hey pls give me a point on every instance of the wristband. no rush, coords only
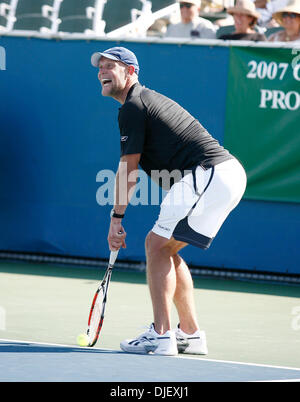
(113, 214)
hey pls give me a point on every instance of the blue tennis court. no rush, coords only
(31, 361)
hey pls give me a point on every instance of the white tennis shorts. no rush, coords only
(195, 207)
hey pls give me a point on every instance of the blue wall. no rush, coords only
(57, 133)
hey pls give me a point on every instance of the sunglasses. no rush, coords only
(291, 15)
(187, 5)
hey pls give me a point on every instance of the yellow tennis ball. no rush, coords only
(83, 340)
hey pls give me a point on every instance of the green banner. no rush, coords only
(262, 127)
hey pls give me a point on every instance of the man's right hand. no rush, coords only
(116, 235)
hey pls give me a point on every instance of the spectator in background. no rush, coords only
(245, 18)
(289, 18)
(266, 9)
(265, 13)
(191, 25)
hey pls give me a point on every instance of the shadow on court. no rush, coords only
(28, 347)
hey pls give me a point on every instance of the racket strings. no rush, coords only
(96, 315)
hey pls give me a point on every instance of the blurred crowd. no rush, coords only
(258, 20)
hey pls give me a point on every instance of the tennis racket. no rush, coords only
(97, 311)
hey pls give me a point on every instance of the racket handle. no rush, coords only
(113, 256)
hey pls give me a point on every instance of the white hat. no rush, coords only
(293, 6)
(244, 7)
(196, 2)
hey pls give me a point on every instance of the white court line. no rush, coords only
(242, 363)
(291, 380)
(179, 356)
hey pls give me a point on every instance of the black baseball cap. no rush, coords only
(122, 54)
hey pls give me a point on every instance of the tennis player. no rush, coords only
(207, 183)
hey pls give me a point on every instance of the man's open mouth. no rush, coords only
(106, 81)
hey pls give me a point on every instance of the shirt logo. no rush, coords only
(124, 138)
(164, 228)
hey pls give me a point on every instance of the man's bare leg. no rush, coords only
(169, 280)
(161, 277)
(184, 297)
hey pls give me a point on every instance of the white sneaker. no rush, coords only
(152, 342)
(192, 344)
